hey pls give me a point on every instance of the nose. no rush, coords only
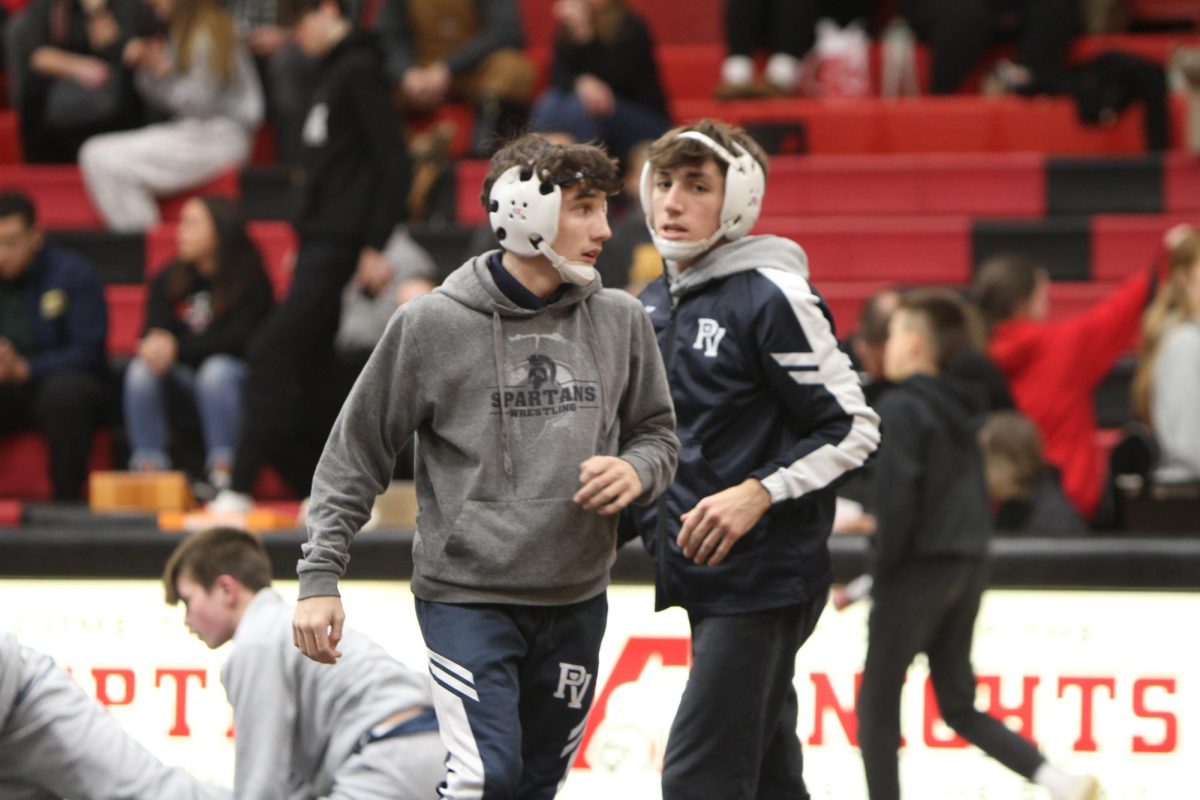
(673, 199)
(601, 232)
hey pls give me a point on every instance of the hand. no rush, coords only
(576, 17)
(713, 527)
(266, 40)
(135, 51)
(158, 349)
(317, 628)
(1175, 234)
(595, 94)
(426, 86)
(155, 60)
(374, 272)
(409, 289)
(91, 73)
(607, 484)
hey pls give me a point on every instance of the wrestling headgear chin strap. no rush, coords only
(745, 185)
(523, 210)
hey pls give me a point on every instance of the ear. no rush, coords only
(230, 585)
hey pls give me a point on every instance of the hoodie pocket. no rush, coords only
(525, 544)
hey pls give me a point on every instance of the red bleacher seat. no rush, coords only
(899, 249)
(1181, 183)
(225, 184)
(25, 464)
(1123, 244)
(275, 240)
(57, 192)
(10, 138)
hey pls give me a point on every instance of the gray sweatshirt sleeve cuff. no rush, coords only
(318, 583)
(645, 473)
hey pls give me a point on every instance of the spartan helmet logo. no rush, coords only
(541, 370)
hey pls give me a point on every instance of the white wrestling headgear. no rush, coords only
(745, 185)
(523, 210)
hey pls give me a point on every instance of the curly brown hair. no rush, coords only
(582, 165)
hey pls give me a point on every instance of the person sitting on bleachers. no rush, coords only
(604, 83)
(959, 32)
(53, 326)
(1166, 384)
(469, 51)
(1026, 495)
(1053, 367)
(784, 28)
(202, 77)
(201, 313)
(66, 76)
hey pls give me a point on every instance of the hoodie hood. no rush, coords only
(473, 286)
(960, 404)
(742, 255)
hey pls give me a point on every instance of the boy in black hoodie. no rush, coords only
(355, 177)
(931, 545)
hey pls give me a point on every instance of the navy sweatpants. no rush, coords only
(512, 688)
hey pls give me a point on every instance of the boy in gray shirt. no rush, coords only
(541, 409)
(56, 742)
(360, 730)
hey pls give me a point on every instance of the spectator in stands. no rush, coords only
(1025, 491)
(56, 741)
(1054, 367)
(356, 178)
(202, 78)
(629, 259)
(66, 76)
(929, 567)
(53, 326)
(786, 29)
(959, 32)
(604, 82)
(361, 729)
(1166, 385)
(202, 310)
(470, 51)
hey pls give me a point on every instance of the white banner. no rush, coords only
(1096, 678)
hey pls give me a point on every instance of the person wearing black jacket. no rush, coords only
(604, 83)
(201, 313)
(355, 177)
(53, 324)
(930, 556)
(770, 416)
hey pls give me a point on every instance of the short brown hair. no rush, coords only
(1002, 282)
(670, 151)
(211, 553)
(943, 322)
(583, 165)
(1012, 454)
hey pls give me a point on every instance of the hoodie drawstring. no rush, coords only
(593, 338)
(498, 348)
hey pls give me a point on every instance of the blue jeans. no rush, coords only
(213, 393)
(629, 123)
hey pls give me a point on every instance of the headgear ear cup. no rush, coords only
(523, 212)
(745, 185)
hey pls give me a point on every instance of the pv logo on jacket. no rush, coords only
(708, 337)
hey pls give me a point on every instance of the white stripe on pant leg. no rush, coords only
(575, 738)
(464, 776)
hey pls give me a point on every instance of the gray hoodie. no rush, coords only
(506, 403)
(298, 721)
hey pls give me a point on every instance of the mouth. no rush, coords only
(590, 256)
(673, 230)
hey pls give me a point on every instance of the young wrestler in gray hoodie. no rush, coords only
(541, 409)
(57, 742)
(363, 729)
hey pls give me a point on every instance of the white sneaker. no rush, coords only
(228, 501)
(1084, 787)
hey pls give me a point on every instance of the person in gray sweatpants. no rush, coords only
(56, 742)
